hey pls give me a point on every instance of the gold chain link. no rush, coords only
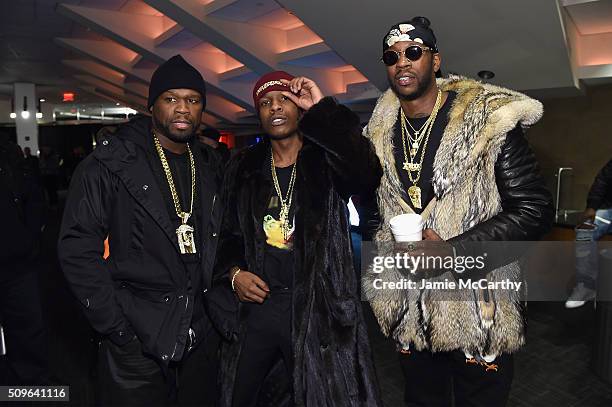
(429, 123)
(175, 198)
(285, 202)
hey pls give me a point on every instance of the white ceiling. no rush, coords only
(108, 49)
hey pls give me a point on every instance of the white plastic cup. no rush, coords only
(415, 237)
(407, 227)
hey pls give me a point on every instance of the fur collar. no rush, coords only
(479, 119)
(496, 111)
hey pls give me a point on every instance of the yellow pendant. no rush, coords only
(186, 242)
(408, 166)
(414, 193)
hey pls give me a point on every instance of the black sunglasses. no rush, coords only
(413, 53)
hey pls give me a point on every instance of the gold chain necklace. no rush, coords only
(184, 232)
(285, 202)
(415, 131)
(413, 142)
(414, 192)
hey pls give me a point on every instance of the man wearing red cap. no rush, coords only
(285, 251)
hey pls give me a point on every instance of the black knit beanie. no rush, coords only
(175, 73)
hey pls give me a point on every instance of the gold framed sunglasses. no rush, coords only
(413, 53)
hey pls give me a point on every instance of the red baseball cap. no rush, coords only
(270, 82)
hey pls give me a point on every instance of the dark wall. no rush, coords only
(66, 137)
(575, 132)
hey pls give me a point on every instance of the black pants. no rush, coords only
(431, 379)
(267, 341)
(26, 360)
(127, 377)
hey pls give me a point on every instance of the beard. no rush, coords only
(177, 137)
(423, 84)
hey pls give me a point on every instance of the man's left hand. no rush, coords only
(430, 234)
(304, 92)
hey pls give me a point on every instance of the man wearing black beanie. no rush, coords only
(150, 191)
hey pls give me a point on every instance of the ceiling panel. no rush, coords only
(323, 60)
(245, 10)
(114, 5)
(279, 18)
(593, 17)
(139, 7)
(183, 40)
(145, 64)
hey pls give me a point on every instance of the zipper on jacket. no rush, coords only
(212, 208)
(176, 343)
(174, 351)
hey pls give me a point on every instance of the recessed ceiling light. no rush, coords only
(486, 75)
(25, 115)
(42, 100)
(118, 104)
(13, 115)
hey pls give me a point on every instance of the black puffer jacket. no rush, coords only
(600, 195)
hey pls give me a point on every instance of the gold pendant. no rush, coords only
(186, 242)
(283, 218)
(408, 166)
(414, 193)
(283, 215)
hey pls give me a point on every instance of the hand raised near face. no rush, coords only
(304, 92)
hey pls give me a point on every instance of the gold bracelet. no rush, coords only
(234, 277)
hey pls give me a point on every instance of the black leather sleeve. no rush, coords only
(600, 195)
(527, 207)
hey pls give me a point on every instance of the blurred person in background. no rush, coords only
(72, 161)
(211, 136)
(22, 208)
(596, 222)
(32, 163)
(50, 171)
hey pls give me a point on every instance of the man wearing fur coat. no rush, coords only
(452, 150)
(294, 314)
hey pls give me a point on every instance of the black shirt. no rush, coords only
(278, 258)
(180, 168)
(433, 144)
(181, 175)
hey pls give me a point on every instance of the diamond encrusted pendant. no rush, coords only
(414, 193)
(408, 166)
